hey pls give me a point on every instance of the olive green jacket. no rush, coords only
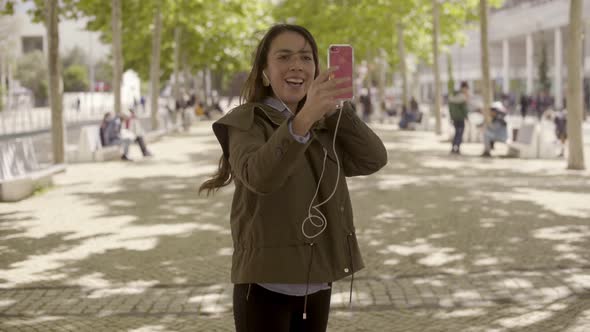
(275, 180)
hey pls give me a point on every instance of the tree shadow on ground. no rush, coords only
(475, 242)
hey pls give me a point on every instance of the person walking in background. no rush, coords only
(142, 103)
(103, 127)
(458, 109)
(136, 132)
(524, 105)
(561, 129)
(365, 101)
(289, 148)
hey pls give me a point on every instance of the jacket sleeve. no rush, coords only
(363, 152)
(263, 165)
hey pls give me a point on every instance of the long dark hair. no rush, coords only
(255, 91)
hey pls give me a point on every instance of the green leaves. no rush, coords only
(218, 34)
(6, 7)
(370, 25)
(223, 34)
(75, 78)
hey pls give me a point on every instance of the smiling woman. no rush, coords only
(290, 68)
(291, 219)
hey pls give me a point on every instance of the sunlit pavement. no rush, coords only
(451, 243)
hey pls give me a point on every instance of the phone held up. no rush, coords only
(342, 55)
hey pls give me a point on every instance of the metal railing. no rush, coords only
(24, 118)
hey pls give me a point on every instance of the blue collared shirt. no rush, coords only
(279, 106)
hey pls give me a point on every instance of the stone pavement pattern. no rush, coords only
(450, 244)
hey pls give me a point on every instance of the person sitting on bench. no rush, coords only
(411, 117)
(497, 130)
(110, 132)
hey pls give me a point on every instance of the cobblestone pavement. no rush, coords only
(450, 243)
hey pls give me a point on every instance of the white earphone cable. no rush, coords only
(323, 222)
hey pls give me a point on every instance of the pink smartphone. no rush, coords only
(342, 55)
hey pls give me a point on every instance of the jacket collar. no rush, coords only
(273, 115)
(271, 112)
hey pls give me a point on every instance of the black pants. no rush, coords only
(458, 139)
(141, 142)
(265, 310)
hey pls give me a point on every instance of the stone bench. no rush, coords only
(20, 173)
(89, 147)
(535, 141)
(525, 143)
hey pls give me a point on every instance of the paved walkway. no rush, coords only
(450, 243)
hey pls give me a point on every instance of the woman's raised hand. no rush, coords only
(321, 100)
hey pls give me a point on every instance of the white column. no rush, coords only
(529, 64)
(422, 92)
(558, 70)
(505, 66)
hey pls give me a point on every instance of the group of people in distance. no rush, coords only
(123, 129)
(497, 129)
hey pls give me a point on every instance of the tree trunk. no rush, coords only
(3, 89)
(437, 96)
(55, 89)
(451, 80)
(176, 86)
(176, 83)
(382, 78)
(402, 63)
(574, 90)
(117, 53)
(485, 60)
(207, 83)
(155, 65)
(414, 73)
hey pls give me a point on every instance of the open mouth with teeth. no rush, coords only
(296, 82)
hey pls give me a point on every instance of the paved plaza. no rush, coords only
(450, 243)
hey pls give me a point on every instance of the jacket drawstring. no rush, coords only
(248, 294)
(307, 285)
(352, 269)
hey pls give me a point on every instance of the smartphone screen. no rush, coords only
(343, 57)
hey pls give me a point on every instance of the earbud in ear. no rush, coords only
(265, 80)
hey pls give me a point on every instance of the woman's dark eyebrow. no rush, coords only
(285, 50)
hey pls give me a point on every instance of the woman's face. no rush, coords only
(290, 68)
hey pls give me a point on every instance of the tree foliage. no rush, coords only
(75, 56)
(31, 72)
(103, 72)
(370, 25)
(218, 34)
(221, 35)
(75, 79)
